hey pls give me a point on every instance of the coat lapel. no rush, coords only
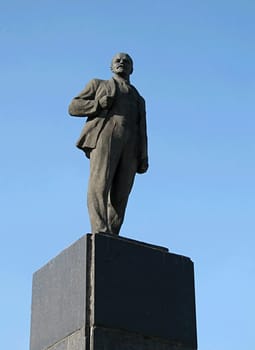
(110, 87)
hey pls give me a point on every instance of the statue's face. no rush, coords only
(122, 65)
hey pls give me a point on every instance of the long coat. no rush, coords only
(87, 104)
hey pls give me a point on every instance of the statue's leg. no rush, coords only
(101, 174)
(121, 186)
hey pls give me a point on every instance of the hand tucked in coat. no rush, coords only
(106, 101)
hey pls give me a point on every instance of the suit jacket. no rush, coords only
(87, 104)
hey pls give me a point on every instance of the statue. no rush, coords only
(114, 138)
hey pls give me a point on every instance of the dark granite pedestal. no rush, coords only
(113, 293)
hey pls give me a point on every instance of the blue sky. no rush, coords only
(194, 64)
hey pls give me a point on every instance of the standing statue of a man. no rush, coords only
(114, 138)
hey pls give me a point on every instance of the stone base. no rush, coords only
(122, 340)
(74, 341)
(111, 293)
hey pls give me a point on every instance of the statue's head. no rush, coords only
(122, 64)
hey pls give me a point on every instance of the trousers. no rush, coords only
(113, 165)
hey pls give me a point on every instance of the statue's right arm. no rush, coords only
(86, 104)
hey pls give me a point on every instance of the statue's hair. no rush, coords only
(128, 56)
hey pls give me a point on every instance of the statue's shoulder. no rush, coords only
(98, 82)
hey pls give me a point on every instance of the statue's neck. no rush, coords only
(122, 77)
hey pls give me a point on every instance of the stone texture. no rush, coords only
(75, 341)
(109, 339)
(114, 138)
(111, 293)
(59, 297)
(61, 345)
(144, 289)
